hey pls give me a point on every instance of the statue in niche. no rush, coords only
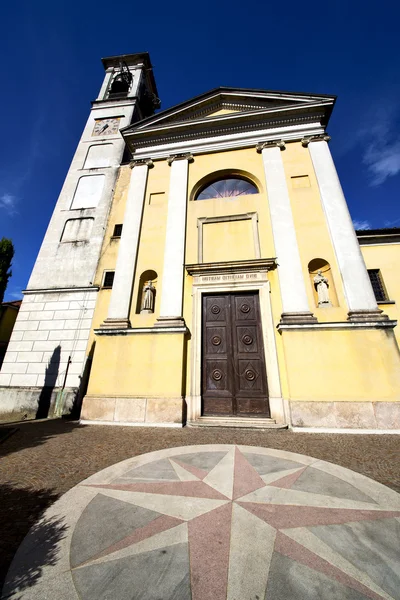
(321, 285)
(149, 292)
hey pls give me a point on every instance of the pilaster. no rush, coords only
(291, 280)
(357, 286)
(120, 302)
(174, 253)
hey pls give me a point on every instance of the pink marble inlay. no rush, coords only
(160, 524)
(287, 481)
(200, 473)
(283, 516)
(246, 479)
(209, 542)
(192, 489)
(288, 547)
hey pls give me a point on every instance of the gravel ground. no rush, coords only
(41, 460)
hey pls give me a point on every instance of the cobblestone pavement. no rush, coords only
(43, 460)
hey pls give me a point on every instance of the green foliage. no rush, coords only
(6, 256)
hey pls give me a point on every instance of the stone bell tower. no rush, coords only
(47, 349)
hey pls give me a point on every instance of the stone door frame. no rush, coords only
(230, 281)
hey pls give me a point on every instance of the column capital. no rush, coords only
(271, 144)
(315, 138)
(184, 156)
(140, 162)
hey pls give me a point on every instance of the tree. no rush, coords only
(6, 256)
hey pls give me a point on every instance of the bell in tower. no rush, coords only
(121, 82)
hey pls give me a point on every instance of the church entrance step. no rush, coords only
(231, 422)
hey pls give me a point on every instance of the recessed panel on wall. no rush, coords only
(99, 155)
(88, 191)
(228, 240)
(77, 230)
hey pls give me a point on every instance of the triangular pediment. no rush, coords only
(224, 102)
(223, 110)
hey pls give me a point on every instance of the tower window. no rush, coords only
(108, 279)
(117, 230)
(228, 187)
(121, 83)
(377, 285)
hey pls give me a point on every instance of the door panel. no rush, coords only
(233, 367)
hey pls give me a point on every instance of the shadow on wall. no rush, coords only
(50, 380)
(75, 412)
(55, 398)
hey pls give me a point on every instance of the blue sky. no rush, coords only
(51, 70)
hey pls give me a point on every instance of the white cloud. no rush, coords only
(361, 224)
(8, 203)
(383, 160)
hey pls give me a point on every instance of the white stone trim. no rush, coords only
(291, 280)
(130, 424)
(261, 284)
(231, 141)
(139, 330)
(340, 325)
(121, 293)
(174, 252)
(347, 430)
(357, 285)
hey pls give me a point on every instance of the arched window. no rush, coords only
(227, 187)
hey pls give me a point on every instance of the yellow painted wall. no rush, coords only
(386, 257)
(146, 365)
(230, 240)
(312, 233)
(313, 364)
(346, 365)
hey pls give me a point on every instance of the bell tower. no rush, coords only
(60, 296)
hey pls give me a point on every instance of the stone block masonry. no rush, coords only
(50, 328)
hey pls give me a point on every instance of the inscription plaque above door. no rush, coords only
(234, 378)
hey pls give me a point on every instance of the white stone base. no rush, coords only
(22, 403)
(133, 410)
(366, 416)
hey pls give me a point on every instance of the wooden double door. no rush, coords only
(234, 380)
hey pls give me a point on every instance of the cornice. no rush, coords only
(236, 266)
(201, 145)
(134, 140)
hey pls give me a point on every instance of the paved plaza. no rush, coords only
(199, 514)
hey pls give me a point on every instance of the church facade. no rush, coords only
(201, 267)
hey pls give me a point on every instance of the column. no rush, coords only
(174, 252)
(291, 281)
(357, 286)
(121, 293)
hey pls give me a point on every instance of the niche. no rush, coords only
(146, 299)
(322, 283)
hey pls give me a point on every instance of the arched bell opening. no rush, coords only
(147, 292)
(322, 283)
(121, 83)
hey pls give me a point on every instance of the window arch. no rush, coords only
(226, 186)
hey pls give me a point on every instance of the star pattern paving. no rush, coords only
(234, 524)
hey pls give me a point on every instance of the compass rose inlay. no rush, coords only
(233, 522)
